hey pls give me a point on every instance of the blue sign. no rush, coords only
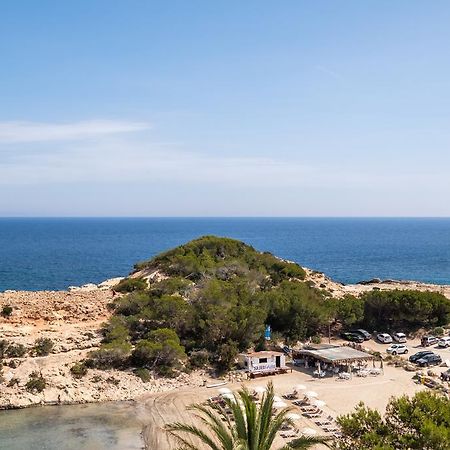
(267, 333)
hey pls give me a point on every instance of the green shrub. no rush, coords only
(35, 383)
(111, 355)
(143, 374)
(7, 311)
(316, 339)
(3, 347)
(199, 359)
(79, 370)
(13, 382)
(43, 346)
(15, 351)
(438, 331)
(130, 285)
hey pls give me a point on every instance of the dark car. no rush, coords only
(418, 355)
(365, 334)
(354, 337)
(445, 376)
(429, 360)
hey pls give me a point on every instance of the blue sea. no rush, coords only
(39, 254)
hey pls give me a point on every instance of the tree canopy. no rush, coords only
(418, 423)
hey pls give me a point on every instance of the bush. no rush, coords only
(79, 370)
(15, 351)
(3, 347)
(35, 383)
(199, 359)
(143, 374)
(162, 347)
(111, 355)
(13, 382)
(438, 331)
(130, 285)
(7, 311)
(43, 346)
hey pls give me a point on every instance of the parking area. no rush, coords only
(413, 346)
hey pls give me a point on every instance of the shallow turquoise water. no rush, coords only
(112, 426)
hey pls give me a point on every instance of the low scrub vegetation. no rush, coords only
(43, 346)
(7, 311)
(36, 383)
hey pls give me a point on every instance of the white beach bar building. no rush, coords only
(263, 363)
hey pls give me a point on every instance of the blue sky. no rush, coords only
(256, 108)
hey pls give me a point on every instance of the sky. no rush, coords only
(201, 108)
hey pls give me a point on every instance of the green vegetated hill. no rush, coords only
(216, 298)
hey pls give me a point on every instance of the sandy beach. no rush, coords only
(340, 396)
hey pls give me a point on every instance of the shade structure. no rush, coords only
(300, 387)
(309, 432)
(279, 405)
(311, 394)
(228, 395)
(259, 389)
(276, 399)
(293, 416)
(319, 403)
(224, 391)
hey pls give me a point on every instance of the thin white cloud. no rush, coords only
(11, 132)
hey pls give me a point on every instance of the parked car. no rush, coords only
(429, 360)
(365, 334)
(428, 340)
(399, 337)
(418, 355)
(444, 342)
(354, 337)
(384, 338)
(397, 349)
(445, 376)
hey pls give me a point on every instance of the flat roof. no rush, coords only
(335, 354)
(262, 354)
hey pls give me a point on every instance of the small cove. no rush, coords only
(112, 426)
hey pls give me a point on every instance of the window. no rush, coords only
(262, 360)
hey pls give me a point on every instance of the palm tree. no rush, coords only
(247, 427)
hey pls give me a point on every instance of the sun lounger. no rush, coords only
(327, 421)
(301, 402)
(313, 415)
(289, 434)
(290, 396)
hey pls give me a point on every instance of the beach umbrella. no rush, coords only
(293, 416)
(279, 405)
(300, 387)
(259, 389)
(319, 403)
(311, 394)
(277, 399)
(309, 432)
(228, 395)
(225, 391)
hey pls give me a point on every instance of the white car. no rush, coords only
(399, 337)
(397, 349)
(384, 338)
(444, 342)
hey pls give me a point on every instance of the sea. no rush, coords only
(55, 253)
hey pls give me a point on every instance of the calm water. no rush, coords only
(107, 426)
(38, 254)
